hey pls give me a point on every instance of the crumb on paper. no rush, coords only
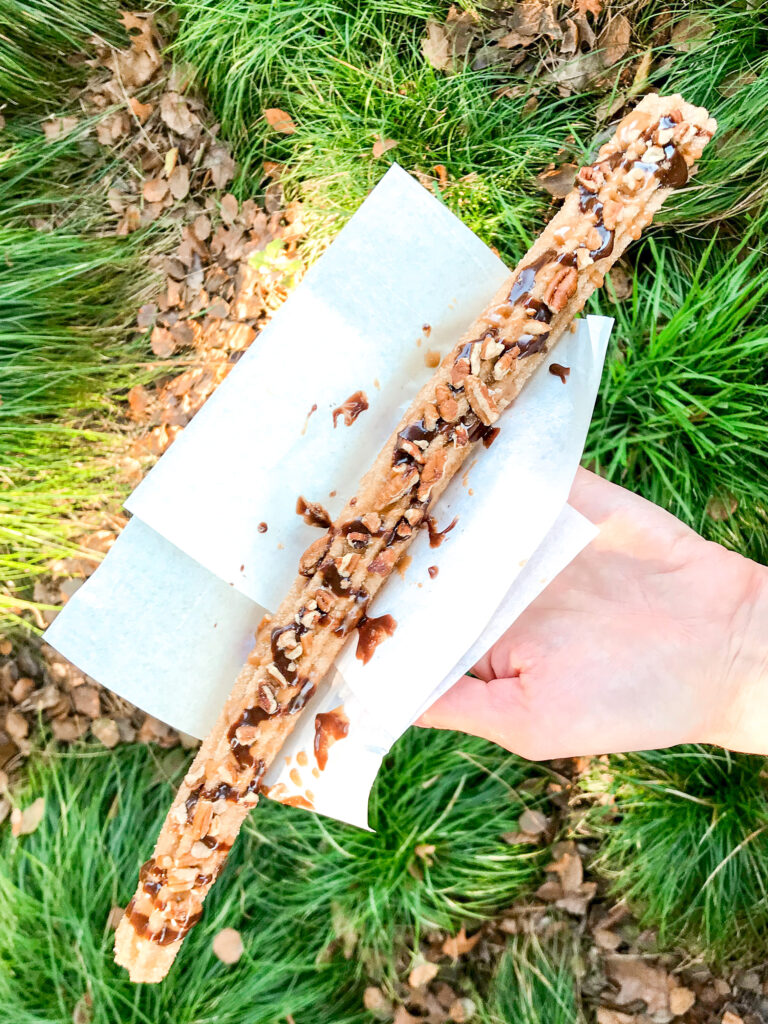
(470, 492)
(262, 527)
(432, 358)
(427, 329)
(376, 383)
(418, 342)
(433, 570)
(350, 408)
(403, 565)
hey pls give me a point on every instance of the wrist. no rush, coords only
(743, 703)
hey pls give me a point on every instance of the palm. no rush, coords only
(618, 653)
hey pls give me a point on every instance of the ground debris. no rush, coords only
(570, 45)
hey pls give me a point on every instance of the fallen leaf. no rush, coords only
(59, 126)
(377, 1003)
(462, 1010)
(691, 33)
(620, 283)
(532, 821)
(105, 729)
(162, 342)
(425, 851)
(721, 508)
(82, 1012)
(114, 917)
(280, 121)
(229, 208)
(436, 47)
(606, 1016)
(567, 866)
(24, 822)
(228, 946)
(731, 1018)
(642, 71)
(457, 945)
(606, 939)
(734, 83)
(381, 145)
(140, 110)
(16, 725)
(175, 112)
(422, 974)
(587, 7)
(155, 190)
(638, 979)
(138, 402)
(130, 221)
(221, 165)
(681, 1000)
(613, 41)
(558, 181)
(202, 227)
(179, 181)
(146, 316)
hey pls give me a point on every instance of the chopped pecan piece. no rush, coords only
(447, 405)
(430, 417)
(313, 556)
(560, 289)
(433, 470)
(266, 700)
(399, 483)
(481, 401)
(372, 521)
(459, 371)
(382, 564)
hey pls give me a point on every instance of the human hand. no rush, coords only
(652, 636)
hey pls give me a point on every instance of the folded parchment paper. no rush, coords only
(168, 619)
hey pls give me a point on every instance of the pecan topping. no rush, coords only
(433, 470)
(313, 556)
(398, 485)
(560, 289)
(481, 401)
(382, 564)
(447, 405)
(266, 700)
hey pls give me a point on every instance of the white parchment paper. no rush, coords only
(168, 619)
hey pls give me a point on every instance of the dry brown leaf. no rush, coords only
(130, 221)
(229, 208)
(613, 41)
(381, 145)
(425, 851)
(462, 1010)
(638, 979)
(377, 1003)
(606, 939)
(140, 110)
(59, 126)
(162, 342)
(532, 821)
(620, 283)
(114, 917)
(105, 729)
(228, 945)
(138, 402)
(82, 1013)
(436, 47)
(221, 165)
(558, 181)
(155, 190)
(422, 974)
(721, 508)
(584, 7)
(202, 227)
(175, 112)
(280, 121)
(567, 866)
(691, 33)
(456, 945)
(681, 1000)
(513, 39)
(606, 1016)
(24, 822)
(16, 725)
(735, 82)
(179, 181)
(731, 1018)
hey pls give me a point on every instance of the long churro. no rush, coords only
(615, 197)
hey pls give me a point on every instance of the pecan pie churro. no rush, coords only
(614, 198)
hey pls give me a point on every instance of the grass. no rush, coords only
(39, 44)
(304, 892)
(689, 848)
(680, 418)
(534, 984)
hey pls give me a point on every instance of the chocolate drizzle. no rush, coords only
(436, 537)
(371, 632)
(558, 370)
(312, 513)
(330, 726)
